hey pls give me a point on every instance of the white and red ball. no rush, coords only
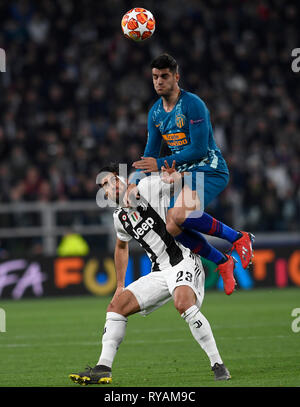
(138, 24)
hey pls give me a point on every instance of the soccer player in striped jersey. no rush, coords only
(176, 273)
(182, 119)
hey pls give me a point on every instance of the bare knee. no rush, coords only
(119, 307)
(173, 223)
(114, 306)
(124, 304)
(184, 298)
(173, 229)
(182, 305)
(178, 216)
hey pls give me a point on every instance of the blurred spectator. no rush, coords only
(32, 184)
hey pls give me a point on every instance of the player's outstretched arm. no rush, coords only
(146, 165)
(121, 261)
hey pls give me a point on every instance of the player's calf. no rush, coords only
(202, 333)
(113, 335)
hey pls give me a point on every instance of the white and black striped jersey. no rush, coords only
(147, 224)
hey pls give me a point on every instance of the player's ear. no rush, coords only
(177, 76)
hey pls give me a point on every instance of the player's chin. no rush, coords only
(162, 92)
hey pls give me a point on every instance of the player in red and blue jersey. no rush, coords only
(182, 119)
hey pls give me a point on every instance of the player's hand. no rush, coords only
(131, 196)
(169, 174)
(146, 164)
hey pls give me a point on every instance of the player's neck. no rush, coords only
(170, 101)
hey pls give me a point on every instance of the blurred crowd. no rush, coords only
(76, 95)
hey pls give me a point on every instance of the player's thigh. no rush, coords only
(190, 273)
(187, 199)
(214, 184)
(186, 202)
(205, 187)
(124, 304)
(183, 195)
(188, 195)
(151, 291)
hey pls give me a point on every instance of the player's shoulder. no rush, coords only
(150, 188)
(156, 104)
(149, 183)
(116, 213)
(151, 180)
(189, 97)
(155, 108)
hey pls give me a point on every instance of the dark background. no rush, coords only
(76, 95)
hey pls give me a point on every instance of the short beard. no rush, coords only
(167, 94)
(168, 91)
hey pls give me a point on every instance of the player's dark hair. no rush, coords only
(164, 61)
(112, 167)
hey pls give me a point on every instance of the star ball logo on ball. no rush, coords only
(138, 24)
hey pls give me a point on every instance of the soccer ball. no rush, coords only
(138, 24)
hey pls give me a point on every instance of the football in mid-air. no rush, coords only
(138, 24)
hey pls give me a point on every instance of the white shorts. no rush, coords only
(156, 288)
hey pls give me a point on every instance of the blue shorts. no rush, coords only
(214, 183)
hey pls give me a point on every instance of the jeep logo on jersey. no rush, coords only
(145, 226)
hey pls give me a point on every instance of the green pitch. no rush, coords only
(47, 339)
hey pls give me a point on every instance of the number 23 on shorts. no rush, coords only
(180, 276)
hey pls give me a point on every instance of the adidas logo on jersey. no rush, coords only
(145, 226)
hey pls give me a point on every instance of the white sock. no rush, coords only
(202, 332)
(114, 332)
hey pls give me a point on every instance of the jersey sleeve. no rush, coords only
(154, 139)
(199, 124)
(120, 231)
(152, 149)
